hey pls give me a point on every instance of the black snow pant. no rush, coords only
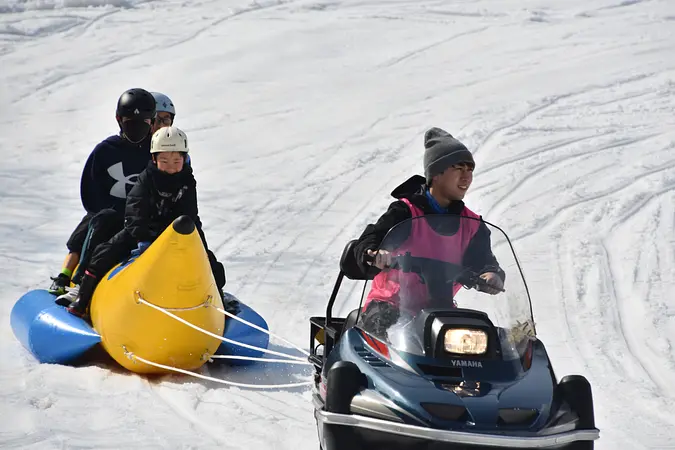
(108, 254)
(101, 228)
(218, 270)
(378, 317)
(78, 236)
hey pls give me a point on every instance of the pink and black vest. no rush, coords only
(423, 242)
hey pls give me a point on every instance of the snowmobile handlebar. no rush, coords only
(425, 266)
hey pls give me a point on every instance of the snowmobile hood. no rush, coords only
(474, 395)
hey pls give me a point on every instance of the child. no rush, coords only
(109, 173)
(165, 190)
(448, 168)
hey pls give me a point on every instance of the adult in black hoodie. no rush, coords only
(448, 174)
(157, 199)
(109, 173)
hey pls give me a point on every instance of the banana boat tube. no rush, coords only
(172, 275)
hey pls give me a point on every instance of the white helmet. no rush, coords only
(164, 103)
(169, 139)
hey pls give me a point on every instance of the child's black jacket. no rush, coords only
(157, 199)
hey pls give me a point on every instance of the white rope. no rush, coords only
(192, 308)
(224, 339)
(228, 314)
(253, 358)
(217, 380)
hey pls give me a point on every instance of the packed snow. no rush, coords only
(303, 115)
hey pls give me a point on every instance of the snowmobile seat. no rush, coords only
(350, 321)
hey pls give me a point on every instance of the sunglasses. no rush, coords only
(164, 120)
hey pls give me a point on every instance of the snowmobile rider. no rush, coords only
(448, 169)
(166, 112)
(165, 190)
(109, 173)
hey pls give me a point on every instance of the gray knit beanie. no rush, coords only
(442, 151)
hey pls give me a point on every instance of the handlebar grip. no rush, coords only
(482, 283)
(395, 260)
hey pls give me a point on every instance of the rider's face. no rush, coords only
(162, 119)
(170, 162)
(455, 181)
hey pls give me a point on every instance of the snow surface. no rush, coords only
(303, 115)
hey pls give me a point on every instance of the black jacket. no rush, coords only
(478, 256)
(110, 172)
(157, 199)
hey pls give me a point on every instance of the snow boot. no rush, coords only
(69, 297)
(59, 284)
(80, 307)
(230, 303)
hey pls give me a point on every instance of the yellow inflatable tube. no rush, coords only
(174, 274)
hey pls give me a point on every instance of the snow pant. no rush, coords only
(378, 317)
(101, 227)
(77, 237)
(218, 270)
(109, 253)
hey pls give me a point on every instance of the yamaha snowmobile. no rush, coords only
(437, 358)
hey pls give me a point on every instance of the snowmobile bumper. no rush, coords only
(356, 432)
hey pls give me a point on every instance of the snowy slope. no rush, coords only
(302, 116)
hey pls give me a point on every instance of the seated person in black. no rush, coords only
(109, 173)
(165, 190)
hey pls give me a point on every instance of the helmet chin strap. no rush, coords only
(133, 142)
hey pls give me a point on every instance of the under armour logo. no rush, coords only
(136, 111)
(164, 104)
(119, 189)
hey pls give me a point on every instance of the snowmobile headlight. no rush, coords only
(465, 341)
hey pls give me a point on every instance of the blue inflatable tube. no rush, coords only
(48, 331)
(53, 335)
(240, 332)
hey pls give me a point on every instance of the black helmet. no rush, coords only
(136, 103)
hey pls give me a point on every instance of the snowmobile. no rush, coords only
(446, 365)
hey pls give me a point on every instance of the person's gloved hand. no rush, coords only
(494, 284)
(142, 246)
(380, 259)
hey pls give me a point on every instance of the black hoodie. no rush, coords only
(478, 256)
(157, 199)
(110, 172)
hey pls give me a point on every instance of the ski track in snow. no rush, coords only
(303, 115)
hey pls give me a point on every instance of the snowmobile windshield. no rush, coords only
(447, 263)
